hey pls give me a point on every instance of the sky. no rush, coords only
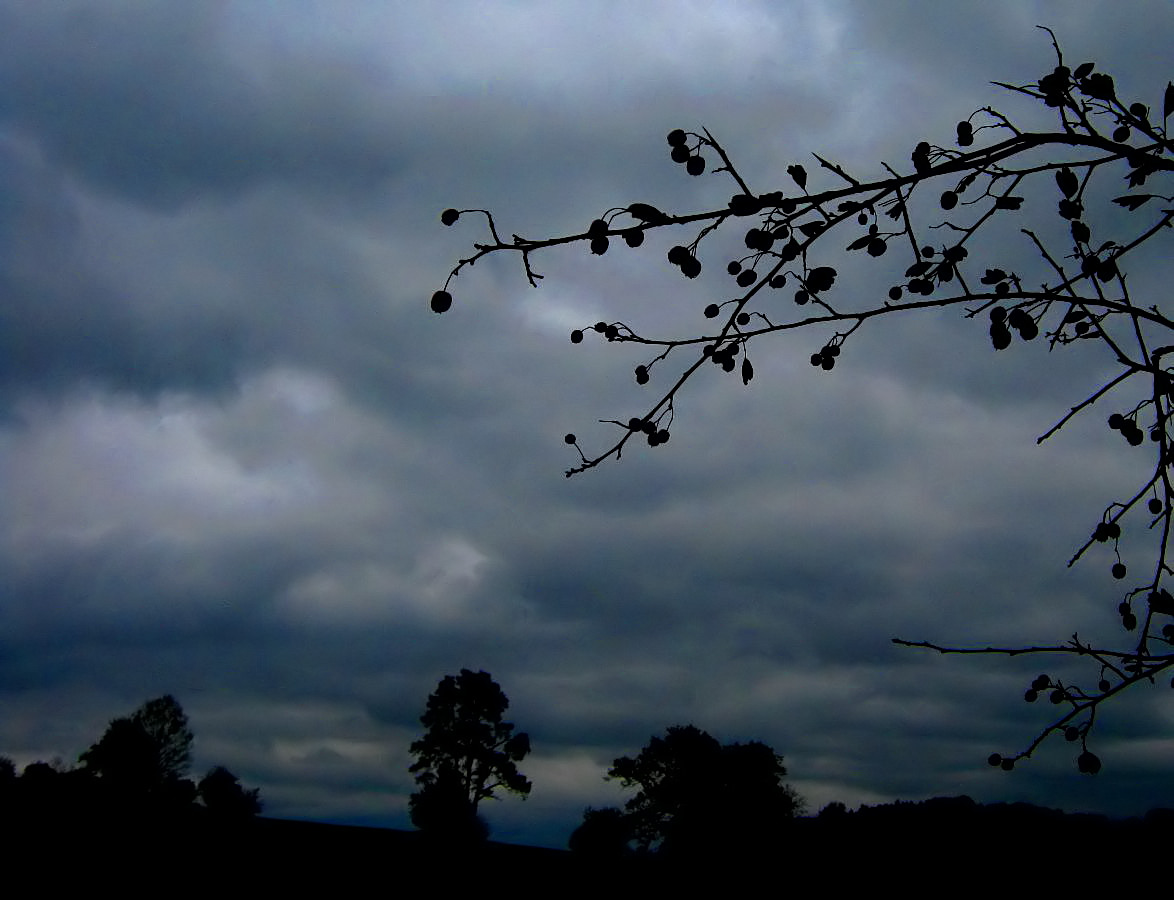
(243, 463)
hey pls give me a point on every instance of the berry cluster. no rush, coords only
(1041, 683)
(689, 264)
(826, 358)
(597, 231)
(1129, 429)
(1002, 322)
(656, 436)
(928, 272)
(693, 161)
(723, 356)
(1128, 619)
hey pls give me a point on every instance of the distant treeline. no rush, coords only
(130, 785)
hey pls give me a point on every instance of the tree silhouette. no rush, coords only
(225, 798)
(699, 796)
(149, 751)
(466, 754)
(1106, 164)
(605, 834)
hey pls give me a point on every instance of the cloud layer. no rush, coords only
(244, 464)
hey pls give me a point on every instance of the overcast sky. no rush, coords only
(243, 463)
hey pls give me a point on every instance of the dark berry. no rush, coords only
(597, 228)
(877, 247)
(949, 200)
(712, 311)
(441, 301)
(1119, 570)
(677, 137)
(1000, 336)
(678, 254)
(743, 318)
(449, 216)
(1155, 505)
(801, 297)
(691, 267)
(1007, 765)
(1031, 696)
(994, 760)
(747, 277)
(599, 327)
(1116, 421)
(576, 336)
(1088, 763)
(695, 165)
(778, 281)
(734, 267)
(680, 154)
(1103, 686)
(599, 245)
(634, 237)
(895, 293)
(641, 375)
(1071, 733)
(569, 439)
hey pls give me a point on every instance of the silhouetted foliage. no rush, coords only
(149, 751)
(466, 754)
(605, 834)
(697, 796)
(441, 808)
(1105, 162)
(225, 798)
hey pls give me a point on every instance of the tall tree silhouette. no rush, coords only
(148, 750)
(466, 754)
(696, 795)
(929, 228)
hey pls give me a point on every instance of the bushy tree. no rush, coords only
(467, 753)
(225, 798)
(696, 795)
(1106, 164)
(148, 750)
(604, 834)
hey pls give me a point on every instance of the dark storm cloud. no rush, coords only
(155, 103)
(245, 464)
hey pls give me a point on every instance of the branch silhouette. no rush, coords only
(1079, 294)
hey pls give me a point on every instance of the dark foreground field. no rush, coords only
(942, 844)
